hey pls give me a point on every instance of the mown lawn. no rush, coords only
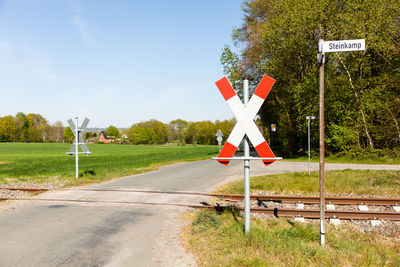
(41, 163)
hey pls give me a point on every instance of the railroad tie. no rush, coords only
(330, 206)
(299, 219)
(334, 221)
(375, 222)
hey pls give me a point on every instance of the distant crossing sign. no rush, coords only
(78, 132)
(219, 138)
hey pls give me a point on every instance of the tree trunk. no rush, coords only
(371, 144)
(396, 124)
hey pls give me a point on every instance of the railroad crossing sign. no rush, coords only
(245, 117)
(245, 114)
(219, 138)
(78, 132)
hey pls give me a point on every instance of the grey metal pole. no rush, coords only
(322, 145)
(76, 148)
(246, 166)
(309, 157)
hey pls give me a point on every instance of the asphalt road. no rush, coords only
(113, 232)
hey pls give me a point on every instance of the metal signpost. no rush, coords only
(78, 132)
(326, 47)
(246, 129)
(309, 146)
(219, 138)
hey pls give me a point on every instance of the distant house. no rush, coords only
(104, 138)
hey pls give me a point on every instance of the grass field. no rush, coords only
(218, 239)
(41, 163)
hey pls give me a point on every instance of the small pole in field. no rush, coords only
(309, 145)
(76, 149)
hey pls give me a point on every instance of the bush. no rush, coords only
(368, 153)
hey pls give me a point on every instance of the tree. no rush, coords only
(148, 132)
(112, 132)
(22, 123)
(176, 130)
(8, 129)
(68, 134)
(226, 127)
(38, 126)
(202, 133)
(56, 132)
(362, 101)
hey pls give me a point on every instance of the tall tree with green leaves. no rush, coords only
(112, 132)
(280, 38)
(68, 134)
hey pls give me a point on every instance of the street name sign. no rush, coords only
(326, 47)
(342, 46)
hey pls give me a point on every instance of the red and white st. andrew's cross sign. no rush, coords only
(245, 117)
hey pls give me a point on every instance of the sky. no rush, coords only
(115, 62)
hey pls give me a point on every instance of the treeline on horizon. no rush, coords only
(362, 89)
(35, 128)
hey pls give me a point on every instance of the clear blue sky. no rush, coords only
(115, 62)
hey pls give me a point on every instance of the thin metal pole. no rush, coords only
(322, 147)
(76, 148)
(309, 157)
(246, 166)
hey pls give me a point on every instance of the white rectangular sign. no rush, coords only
(343, 45)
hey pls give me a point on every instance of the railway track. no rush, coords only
(277, 212)
(315, 213)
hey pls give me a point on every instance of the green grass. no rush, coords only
(41, 163)
(357, 182)
(218, 240)
(370, 160)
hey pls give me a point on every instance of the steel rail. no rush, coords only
(314, 213)
(315, 200)
(340, 200)
(277, 212)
